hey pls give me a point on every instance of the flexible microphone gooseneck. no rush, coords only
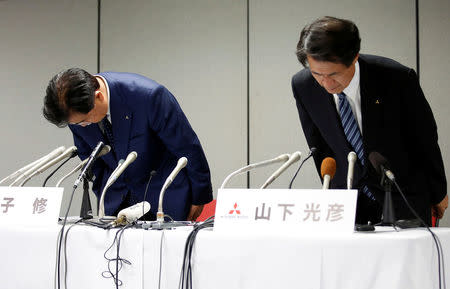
(131, 157)
(22, 170)
(89, 163)
(106, 149)
(280, 158)
(55, 153)
(311, 153)
(182, 162)
(74, 154)
(292, 159)
(327, 170)
(351, 158)
(70, 152)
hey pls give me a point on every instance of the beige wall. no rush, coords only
(38, 39)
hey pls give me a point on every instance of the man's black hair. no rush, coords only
(329, 39)
(69, 91)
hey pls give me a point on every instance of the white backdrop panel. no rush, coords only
(197, 49)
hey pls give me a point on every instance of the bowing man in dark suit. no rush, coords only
(353, 102)
(132, 113)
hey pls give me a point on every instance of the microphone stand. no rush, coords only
(388, 217)
(86, 208)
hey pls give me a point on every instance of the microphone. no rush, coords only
(312, 151)
(182, 162)
(351, 166)
(89, 163)
(106, 149)
(381, 165)
(131, 214)
(70, 152)
(292, 159)
(327, 170)
(131, 157)
(280, 158)
(53, 154)
(21, 170)
(122, 165)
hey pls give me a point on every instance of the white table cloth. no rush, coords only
(378, 260)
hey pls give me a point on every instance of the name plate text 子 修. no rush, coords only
(30, 205)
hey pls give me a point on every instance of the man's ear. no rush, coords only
(356, 59)
(98, 95)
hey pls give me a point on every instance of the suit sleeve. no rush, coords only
(172, 127)
(312, 133)
(424, 134)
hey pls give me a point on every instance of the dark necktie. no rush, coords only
(107, 130)
(352, 133)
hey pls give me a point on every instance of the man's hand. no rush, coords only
(438, 210)
(195, 212)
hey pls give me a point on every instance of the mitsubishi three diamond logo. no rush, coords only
(238, 212)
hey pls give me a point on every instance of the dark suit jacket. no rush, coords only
(397, 122)
(146, 118)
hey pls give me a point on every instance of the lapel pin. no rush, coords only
(126, 117)
(377, 101)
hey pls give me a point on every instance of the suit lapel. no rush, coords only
(121, 117)
(331, 124)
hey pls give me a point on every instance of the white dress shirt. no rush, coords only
(353, 96)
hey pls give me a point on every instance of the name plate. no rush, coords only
(312, 211)
(30, 205)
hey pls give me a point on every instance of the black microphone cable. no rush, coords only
(381, 166)
(435, 238)
(58, 263)
(312, 151)
(65, 250)
(152, 174)
(118, 260)
(58, 257)
(74, 154)
(186, 270)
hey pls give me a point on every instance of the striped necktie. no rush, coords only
(107, 130)
(352, 133)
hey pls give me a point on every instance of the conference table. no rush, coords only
(382, 259)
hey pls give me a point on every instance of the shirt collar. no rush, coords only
(352, 89)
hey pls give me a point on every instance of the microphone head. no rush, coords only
(132, 156)
(72, 149)
(283, 157)
(328, 167)
(351, 157)
(312, 151)
(295, 156)
(182, 162)
(106, 149)
(378, 161)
